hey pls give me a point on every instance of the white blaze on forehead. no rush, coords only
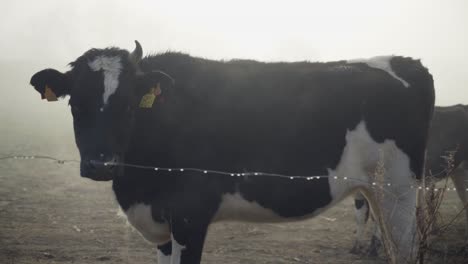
(111, 66)
(383, 63)
(163, 259)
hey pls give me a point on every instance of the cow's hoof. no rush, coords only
(372, 252)
(375, 245)
(356, 250)
(463, 251)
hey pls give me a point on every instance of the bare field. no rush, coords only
(49, 214)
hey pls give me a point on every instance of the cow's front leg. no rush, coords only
(164, 253)
(188, 238)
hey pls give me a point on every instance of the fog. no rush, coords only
(50, 33)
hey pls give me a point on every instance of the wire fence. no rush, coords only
(373, 184)
(381, 186)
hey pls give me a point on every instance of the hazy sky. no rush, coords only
(50, 33)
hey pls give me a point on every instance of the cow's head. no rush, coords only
(105, 87)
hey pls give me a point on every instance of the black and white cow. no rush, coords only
(448, 133)
(305, 119)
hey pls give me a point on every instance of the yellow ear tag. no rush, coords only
(49, 94)
(147, 100)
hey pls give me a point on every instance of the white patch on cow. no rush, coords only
(139, 215)
(383, 63)
(176, 251)
(111, 66)
(163, 259)
(360, 157)
(395, 205)
(235, 207)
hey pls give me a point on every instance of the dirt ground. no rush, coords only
(48, 214)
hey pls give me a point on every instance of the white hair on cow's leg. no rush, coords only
(176, 251)
(163, 259)
(383, 63)
(111, 67)
(396, 208)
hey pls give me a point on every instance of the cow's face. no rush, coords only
(105, 88)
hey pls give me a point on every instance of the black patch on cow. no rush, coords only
(359, 204)
(166, 248)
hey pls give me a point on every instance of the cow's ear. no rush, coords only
(51, 84)
(152, 85)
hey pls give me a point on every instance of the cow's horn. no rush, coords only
(136, 55)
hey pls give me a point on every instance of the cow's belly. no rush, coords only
(139, 216)
(237, 208)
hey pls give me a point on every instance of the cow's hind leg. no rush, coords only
(375, 244)
(362, 215)
(382, 172)
(164, 253)
(362, 211)
(392, 197)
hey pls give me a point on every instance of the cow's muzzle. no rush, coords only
(100, 169)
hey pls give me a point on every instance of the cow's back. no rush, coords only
(286, 118)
